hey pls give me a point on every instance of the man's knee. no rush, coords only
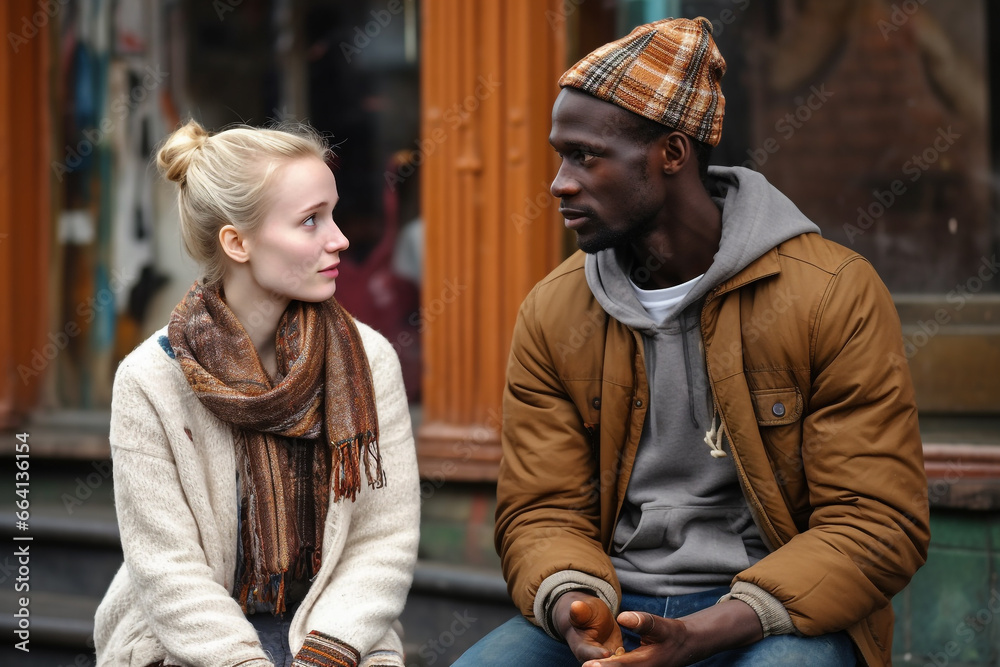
(516, 642)
(833, 650)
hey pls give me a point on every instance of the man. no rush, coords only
(709, 427)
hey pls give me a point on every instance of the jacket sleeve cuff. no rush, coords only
(320, 650)
(383, 658)
(562, 582)
(774, 618)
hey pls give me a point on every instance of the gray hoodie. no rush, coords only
(685, 525)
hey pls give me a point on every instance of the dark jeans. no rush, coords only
(518, 642)
(273, 634)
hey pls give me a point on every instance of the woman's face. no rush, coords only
(296, 250)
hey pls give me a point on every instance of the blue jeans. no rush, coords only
(518, 642)
(273, 634)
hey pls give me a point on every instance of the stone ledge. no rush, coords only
(963, 476)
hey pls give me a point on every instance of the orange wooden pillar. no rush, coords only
(25, 210)
(488, 80)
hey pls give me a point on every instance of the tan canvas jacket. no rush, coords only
(834, 476)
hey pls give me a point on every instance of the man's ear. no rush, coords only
(233, 244)
(676, 151)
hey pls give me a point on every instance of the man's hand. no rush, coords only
(664, 642)
(668, 642)
(586, 623)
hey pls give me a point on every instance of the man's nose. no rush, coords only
(563, 185)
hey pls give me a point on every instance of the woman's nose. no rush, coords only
(337, 241)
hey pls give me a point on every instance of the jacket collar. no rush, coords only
(762, 267)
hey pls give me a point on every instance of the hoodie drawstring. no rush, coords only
(683, 320)
(713, 438)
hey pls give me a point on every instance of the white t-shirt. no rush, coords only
(659, 302)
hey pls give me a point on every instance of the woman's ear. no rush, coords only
(233, 244)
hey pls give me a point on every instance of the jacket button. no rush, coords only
(597, 404)
(638, 402)
(778, 409)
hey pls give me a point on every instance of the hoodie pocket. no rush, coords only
(699, 539)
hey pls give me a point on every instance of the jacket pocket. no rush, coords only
(779, 419)
(777, 407)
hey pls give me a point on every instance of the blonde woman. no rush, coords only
(264, 468)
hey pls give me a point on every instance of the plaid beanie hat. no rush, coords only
(667, 71)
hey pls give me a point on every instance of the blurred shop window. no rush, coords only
(363, 89)
(871, 116)
(127, 73)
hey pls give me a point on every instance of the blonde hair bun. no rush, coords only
(175, 156)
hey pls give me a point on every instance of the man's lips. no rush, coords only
(574, 217)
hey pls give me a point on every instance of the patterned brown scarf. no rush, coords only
(297, 439)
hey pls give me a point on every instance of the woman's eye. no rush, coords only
(310, 221)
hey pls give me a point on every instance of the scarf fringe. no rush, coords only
(348, 457)
(268, 592)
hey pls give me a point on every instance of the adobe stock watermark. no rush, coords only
(88, 310)
(788, 125)
(432, 650)
(758, 325)
(463, 452)
(973, 625)
(85, 486)
(728, 16)
(898, 17)
(118, 111)
(557, 19)
(454, 116)
(7, 570)
(428, 314)
(363, 37)
(533, 207)
(915, 167)
(30, 27)
(223, 7)
(957, 298)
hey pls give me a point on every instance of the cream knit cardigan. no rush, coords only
(176, 499)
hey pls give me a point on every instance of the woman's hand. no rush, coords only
(588, 627)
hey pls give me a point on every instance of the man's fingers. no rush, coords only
(637, 657)
(639, 621)
(591, 652)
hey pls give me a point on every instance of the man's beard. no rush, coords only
(621, 238)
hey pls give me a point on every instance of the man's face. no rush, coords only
(608, 192)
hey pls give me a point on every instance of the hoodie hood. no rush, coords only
(755, 218)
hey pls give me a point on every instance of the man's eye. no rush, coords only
(310, 221)
(585, 158)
